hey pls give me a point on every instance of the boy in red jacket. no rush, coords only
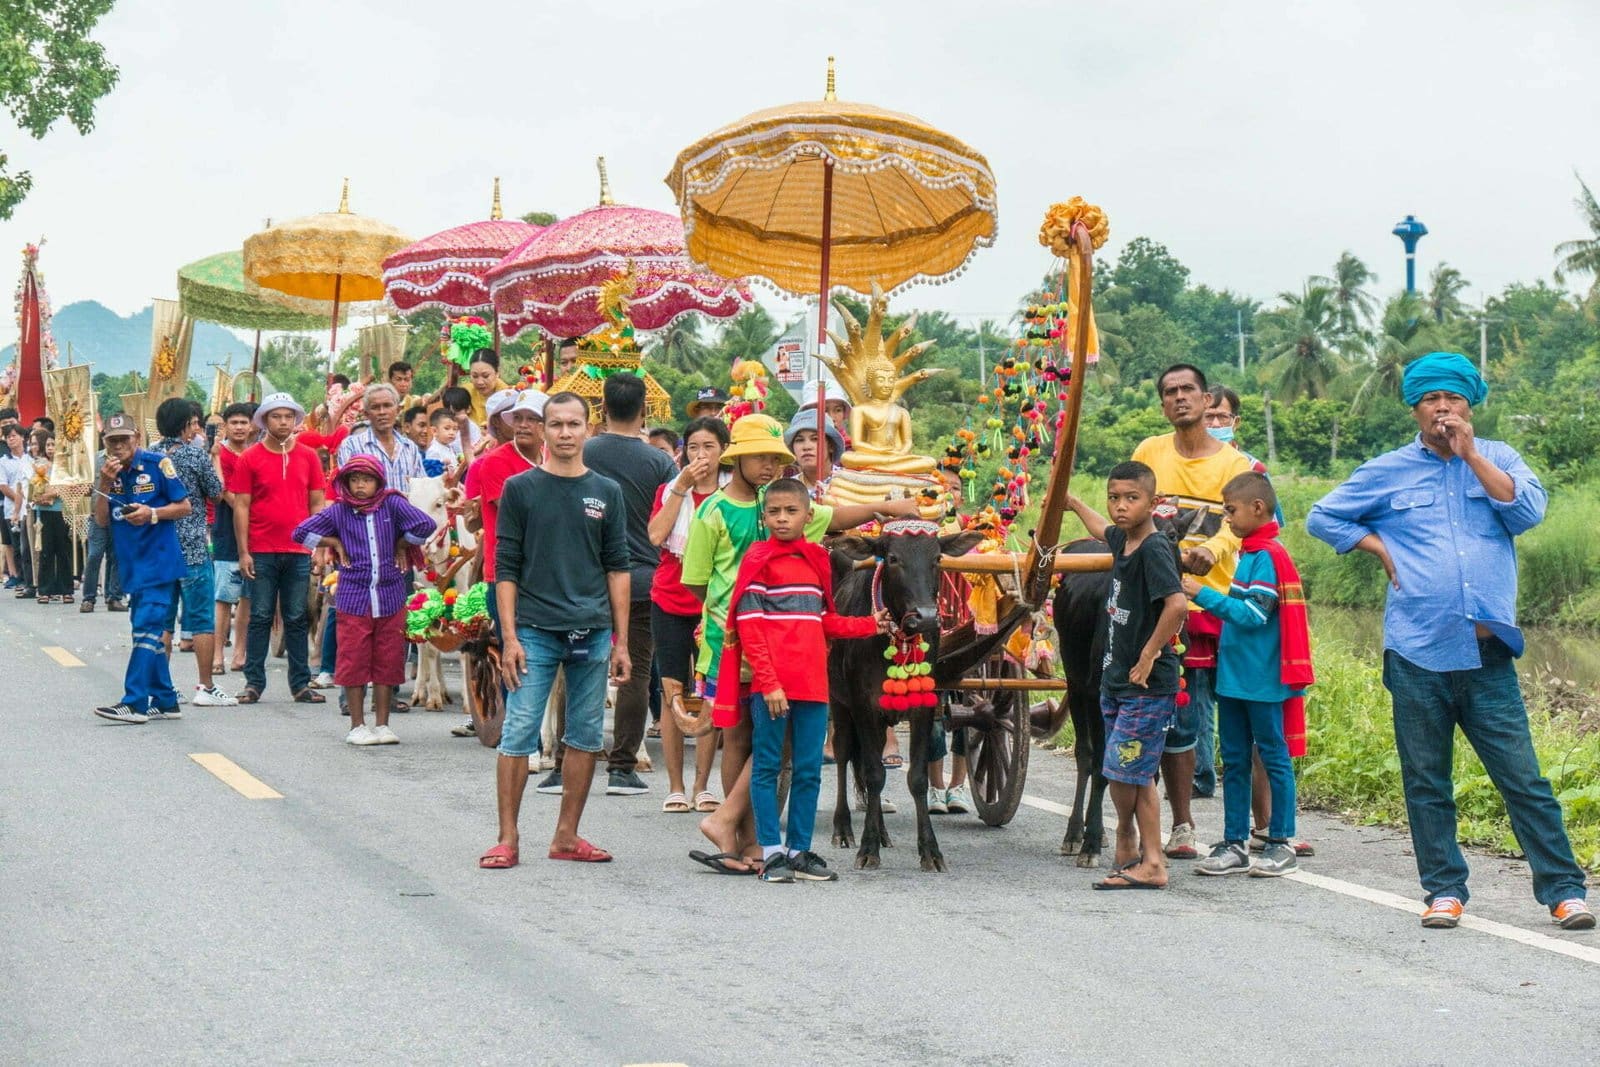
(779, 623)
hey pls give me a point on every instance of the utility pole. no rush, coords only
(983, 375)
(1483, 339)
(1238, 320)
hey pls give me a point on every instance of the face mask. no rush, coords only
(1221, 433)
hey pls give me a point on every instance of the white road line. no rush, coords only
(61, 655)
(1543, 942)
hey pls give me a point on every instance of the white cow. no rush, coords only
(433, 496)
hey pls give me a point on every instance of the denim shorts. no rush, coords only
(199, 608)
(1136, 734)
(547, 652)
(229, 585)
(1184, 734)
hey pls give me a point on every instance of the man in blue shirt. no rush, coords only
(1442, 513)
(139, 497)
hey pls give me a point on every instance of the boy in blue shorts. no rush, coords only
(1139, 683)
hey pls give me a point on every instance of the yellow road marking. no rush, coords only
(235, 777)
(61, 656)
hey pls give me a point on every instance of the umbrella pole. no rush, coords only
(823, 461)
(255, 367)
(333, 337)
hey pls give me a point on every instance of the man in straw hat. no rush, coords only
(276, 484)
(139, 496)
(1442, 514)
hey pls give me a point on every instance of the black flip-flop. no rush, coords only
(1128, 882)
(309, 696)
(714, 860)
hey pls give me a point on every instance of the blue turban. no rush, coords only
(1449, 371)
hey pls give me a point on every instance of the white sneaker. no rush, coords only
(385, 735)
(323, 680)
(212, 698)
(936, 802)
(958, 801)
(362, 735)
(884, 803)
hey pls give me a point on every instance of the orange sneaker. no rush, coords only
(1572, 914)
(1443, 914)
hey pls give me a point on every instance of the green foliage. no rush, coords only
(109, 390)
(1352, 765)
(1151, 274)
(49, 69)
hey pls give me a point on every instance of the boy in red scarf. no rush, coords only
(1263, 669)
(780, 618)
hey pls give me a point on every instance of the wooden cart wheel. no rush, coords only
(997, 756)
(487, 705)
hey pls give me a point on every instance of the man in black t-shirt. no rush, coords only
(1140, 687)
(561, 588)
(622, 454)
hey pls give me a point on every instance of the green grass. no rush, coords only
(1352, 767)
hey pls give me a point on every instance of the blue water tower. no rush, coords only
(1410, 232)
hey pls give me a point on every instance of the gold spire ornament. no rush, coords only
(344, 198)
(830, 94)
(495, 211)
(605, 183)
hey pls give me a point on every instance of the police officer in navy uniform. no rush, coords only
(139, 496)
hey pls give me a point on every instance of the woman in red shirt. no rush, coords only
(674, 611)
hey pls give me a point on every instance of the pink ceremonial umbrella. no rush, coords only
(550, 281)
(446, 271)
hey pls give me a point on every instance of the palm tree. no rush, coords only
(1405, 334)
(1297, 343)
(1583, 255)
(748, 336)
(1444, 293)
(1355, 306)
(680, 346)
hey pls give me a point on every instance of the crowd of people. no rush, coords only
(657, 563)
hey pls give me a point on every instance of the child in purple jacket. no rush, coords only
(365, 528)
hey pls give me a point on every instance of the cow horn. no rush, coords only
(689, 723)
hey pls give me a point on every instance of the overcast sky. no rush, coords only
(1257, 140)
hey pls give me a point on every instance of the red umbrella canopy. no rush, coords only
(447, 270)
(551, 280)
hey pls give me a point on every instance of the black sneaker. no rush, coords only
(173, 712)
(551, 786)
(777, 869)
(625, 784)
(122, 713)
(811, 867)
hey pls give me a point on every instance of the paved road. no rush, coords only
(153, 914)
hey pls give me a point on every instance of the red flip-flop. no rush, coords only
(498, 858)
(583, 853)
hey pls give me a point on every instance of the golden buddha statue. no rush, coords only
(880, 464)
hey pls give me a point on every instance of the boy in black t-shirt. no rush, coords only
(1139, 684)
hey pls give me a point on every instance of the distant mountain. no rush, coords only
(116, 345)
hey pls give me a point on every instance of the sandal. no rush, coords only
(705, 800)
(676, 804)
(498, 858)
(718, 862)
(250, 695)
(64, 600)
(894, 761)
(309, 696)
(582, 852)
(218, 668)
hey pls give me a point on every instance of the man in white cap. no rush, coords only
(140, 497)
(486, 480)
(276, 485)
(498, 406)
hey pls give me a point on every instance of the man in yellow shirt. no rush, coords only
(1191, 468)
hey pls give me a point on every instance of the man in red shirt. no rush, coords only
(276, 485)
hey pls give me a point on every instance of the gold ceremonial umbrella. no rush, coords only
(334, 255)
(826, 193)
(833, 193)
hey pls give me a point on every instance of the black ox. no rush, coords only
(909, 567)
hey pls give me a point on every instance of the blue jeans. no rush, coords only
(807, 727)
(1487, 704)
(547, 651)
(147, 682)
(1241, 724)
(330, 639)
(281, 584)
(99, 549)
(1198, 721)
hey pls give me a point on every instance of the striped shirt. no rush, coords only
(1249, 663)
(372, 584)
(398, 471)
